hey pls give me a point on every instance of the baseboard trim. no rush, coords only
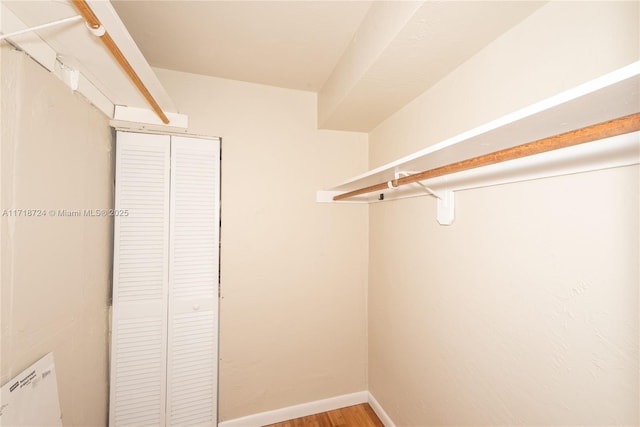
(302, 410)
(377, 408)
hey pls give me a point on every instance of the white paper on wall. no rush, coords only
(31, 398)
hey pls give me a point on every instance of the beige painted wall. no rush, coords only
(294, 272)
(525, 310)
(56, 154)
(558, 47)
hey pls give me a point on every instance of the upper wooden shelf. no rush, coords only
(613, 95)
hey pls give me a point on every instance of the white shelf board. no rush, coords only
(618, 151)
(73, 48)
(613, 95)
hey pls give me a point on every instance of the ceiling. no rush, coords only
(291, 44)
(365, 59)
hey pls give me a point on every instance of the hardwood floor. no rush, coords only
(352, 416)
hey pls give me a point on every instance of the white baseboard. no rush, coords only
(302, 410)
(386, 420)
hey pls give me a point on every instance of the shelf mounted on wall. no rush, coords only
(593, 126)
(85, 44)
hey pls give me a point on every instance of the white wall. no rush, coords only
(525, 310)
(294, 272)
(56, 154)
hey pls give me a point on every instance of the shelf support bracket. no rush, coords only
(446, 200)
(41, 27)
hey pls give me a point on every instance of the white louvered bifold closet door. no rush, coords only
(164, 345)
(193, 282)
(140, 281)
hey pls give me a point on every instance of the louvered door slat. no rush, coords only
(140, 275)
(193, 308)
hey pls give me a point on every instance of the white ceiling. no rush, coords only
(292, 44)
(365, 59)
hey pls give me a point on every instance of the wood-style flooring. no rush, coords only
(352, 416)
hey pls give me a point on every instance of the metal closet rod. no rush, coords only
(98, 30)
(610, 128)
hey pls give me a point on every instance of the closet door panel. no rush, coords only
(140, 281)
(193, 282)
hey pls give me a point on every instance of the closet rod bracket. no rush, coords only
(446, 199)
(446, 207)
(70, 76)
